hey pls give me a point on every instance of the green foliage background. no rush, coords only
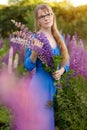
(69, 19)
(71, 104)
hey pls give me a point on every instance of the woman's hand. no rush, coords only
(35, 42)
(57, 74)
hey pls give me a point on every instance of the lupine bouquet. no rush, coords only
(25, 38)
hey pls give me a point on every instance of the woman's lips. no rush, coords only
(47, 22)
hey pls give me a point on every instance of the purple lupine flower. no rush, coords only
(78, 57)
(68, 40)
(24, 38)
(46, 51)
(1, 43)
(17, 48)
(5, 59)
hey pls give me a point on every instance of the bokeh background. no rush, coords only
(71, 101)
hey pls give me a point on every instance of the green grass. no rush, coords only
(5, 118)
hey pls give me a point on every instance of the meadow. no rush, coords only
(71, 102)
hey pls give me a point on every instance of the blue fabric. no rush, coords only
(29, 65)
(44, 89)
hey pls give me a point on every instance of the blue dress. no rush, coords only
(42, 90)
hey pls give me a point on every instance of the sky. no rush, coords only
(74, 2)
(3, 1)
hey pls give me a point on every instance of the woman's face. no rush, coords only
(45, 18)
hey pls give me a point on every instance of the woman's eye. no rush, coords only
(48, 14)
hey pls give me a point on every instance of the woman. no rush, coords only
(42, 85)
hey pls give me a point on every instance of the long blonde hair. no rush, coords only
(55, 32)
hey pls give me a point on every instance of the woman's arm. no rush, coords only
(31, 56)
(30, 59)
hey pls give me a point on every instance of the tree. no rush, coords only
(24, 2)
(14, 1)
